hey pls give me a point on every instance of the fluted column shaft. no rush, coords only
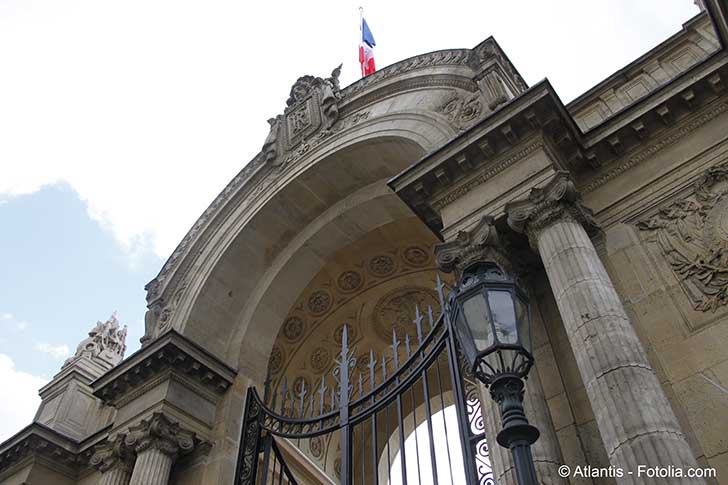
(117, 475)
(635, 420)
(153, 465)
(634, 416)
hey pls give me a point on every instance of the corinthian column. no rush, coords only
(483, 244)
(113, 459)
(635, 420)
(157, 442)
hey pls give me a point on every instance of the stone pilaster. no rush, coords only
(634, 417)
(481, 244)
(114, 460)
(157, 442)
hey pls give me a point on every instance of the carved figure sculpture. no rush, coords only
(270, 146)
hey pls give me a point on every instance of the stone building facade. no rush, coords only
(620, 200)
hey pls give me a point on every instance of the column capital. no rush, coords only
(556, 201)
(159, 432)
(111, 454)
(482, 243)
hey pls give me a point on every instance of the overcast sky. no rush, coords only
(121, 121)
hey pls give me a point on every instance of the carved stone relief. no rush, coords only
(461, 111)
(692, 235)
(106, 343)
(312, 105)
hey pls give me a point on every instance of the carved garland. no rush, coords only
(692, 235)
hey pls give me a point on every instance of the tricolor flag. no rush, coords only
(366, 49)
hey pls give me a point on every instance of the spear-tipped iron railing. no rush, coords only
(346, 403)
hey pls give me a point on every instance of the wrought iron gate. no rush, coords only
(371, 412)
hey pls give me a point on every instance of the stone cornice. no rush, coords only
(507, 135)
(38, 440)
(170, 353)
(669, 138)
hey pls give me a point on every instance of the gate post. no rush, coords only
(247, 467)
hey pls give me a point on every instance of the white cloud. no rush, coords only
(147, 108)
(18, 411)
(56, 351)
(8, 319)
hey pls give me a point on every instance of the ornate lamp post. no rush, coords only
(491, 318)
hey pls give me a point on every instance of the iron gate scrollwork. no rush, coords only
(372, 412)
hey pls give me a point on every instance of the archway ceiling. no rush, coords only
(287, 240)
(372, 286)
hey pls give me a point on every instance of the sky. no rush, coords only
(121, 121)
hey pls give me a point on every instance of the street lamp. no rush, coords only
(492, 321)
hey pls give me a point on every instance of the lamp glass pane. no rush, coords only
(504, 316)
(524, 324)
(475, 313)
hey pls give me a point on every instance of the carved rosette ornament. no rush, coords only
(692, 235)
(482, 243)
(557, 200)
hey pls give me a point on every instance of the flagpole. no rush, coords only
(361, 36)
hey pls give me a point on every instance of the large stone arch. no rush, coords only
(378, 127)
(313, 189)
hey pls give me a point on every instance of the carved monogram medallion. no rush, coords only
(692, 234)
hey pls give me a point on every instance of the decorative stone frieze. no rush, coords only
(557, 200)
(692, 234)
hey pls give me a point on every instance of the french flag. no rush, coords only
(366, 50)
